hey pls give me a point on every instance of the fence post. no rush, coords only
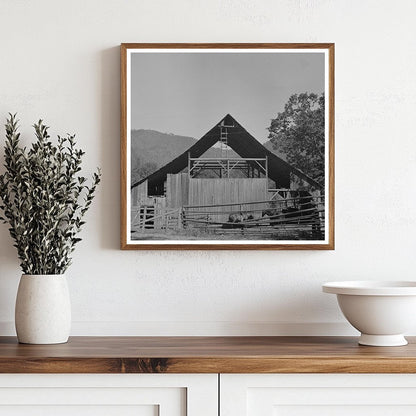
(183, 218)
(179, 218)
(144, 217)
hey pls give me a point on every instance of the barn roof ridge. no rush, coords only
(242, 142)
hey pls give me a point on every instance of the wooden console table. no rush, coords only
(206, 376)
(259, 355)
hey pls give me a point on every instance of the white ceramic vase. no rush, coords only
(43, 309)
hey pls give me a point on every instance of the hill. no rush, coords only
(151, 149)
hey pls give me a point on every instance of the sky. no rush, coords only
(188, 93)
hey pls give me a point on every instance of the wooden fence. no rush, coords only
(260, 217)
(284, 216)
(151, 218)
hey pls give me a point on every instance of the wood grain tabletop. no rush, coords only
(206, 355)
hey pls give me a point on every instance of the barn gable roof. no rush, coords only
(243, 143)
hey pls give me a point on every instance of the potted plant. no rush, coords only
(44, 199)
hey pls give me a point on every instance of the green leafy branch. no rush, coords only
(44, 198)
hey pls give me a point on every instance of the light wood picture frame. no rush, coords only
(227, 146)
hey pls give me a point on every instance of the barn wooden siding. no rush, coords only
(177, 190)
(139, 194)
(208, 192)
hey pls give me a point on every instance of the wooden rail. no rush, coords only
(313, 198)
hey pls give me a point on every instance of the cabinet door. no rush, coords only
(108, 395)
(318, 394)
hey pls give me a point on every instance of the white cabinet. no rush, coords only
(109, 395)
(197, 395)
(317, 394)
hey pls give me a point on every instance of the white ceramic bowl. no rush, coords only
(381, 311)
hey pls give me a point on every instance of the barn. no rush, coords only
(245, 184)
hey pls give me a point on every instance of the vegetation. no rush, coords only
(142, 169)
(298, 132)
(43, 198)
(151, 150)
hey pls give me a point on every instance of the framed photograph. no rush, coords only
(227, 146)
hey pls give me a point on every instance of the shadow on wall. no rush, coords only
(110, 148)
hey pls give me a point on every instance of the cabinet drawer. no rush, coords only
(108, 395)
(318, 394)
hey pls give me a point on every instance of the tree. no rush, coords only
(142, 169)
(299, 133)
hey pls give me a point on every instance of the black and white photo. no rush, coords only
(227, 146)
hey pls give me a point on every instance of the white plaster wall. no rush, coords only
(60, 61)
